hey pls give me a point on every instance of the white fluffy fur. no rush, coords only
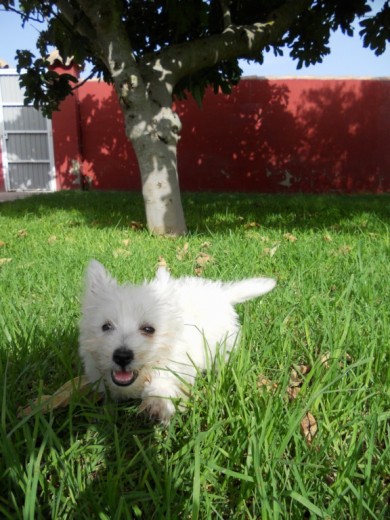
(190, 317)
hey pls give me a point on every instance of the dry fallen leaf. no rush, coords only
(95, 223)
(294, 385)
(182, 252)
(296, 380)
(162, 262)
(331, 478)
(252, 225)
(303, 369)
(327, 238)
(59, 399)
(293, 391)
(271, 250)
(290, 237)
(5, 260)
(52, 239)
(324, 360)
(309, 427)
(263, 383)
(2, 244)
(136, 225)
(120, 252)
(201, 261)
(203, 258)
(205, 245)
(126, 242)
(344, 250)
(22, 233)
(348, 360)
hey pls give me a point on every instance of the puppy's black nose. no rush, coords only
(122, 356)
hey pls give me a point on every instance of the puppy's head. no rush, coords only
(125, 331)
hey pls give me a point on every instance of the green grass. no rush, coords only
(238, 450)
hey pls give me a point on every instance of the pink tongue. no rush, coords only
(123, 377)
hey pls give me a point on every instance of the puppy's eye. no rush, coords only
(148, 330)
(107, 326)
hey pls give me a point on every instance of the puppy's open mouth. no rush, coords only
(123, 378)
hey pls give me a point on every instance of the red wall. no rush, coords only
(279, 135)
(109, 158)
(289, 135)
(67, 140)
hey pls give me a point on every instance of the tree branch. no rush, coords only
(111, 41)
(245, 41)
(226, 14)
(81, 83)
(25, 17)
(77, 20)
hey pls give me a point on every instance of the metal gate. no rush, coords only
(26, 140)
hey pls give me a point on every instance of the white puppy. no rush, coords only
(149, 341)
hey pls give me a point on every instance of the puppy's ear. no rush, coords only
(97, 277)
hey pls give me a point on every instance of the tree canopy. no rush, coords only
(157, 28)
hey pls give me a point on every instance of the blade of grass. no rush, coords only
(196, 481)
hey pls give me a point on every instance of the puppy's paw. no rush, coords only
(159, 408)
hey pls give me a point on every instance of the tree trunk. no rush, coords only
(154, 131)
(156, 151)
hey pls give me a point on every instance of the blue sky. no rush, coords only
(347, 58)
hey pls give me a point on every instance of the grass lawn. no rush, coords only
(318, 344)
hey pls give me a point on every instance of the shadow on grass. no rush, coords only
(225, 212)
(207, 212)
(93, 451)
